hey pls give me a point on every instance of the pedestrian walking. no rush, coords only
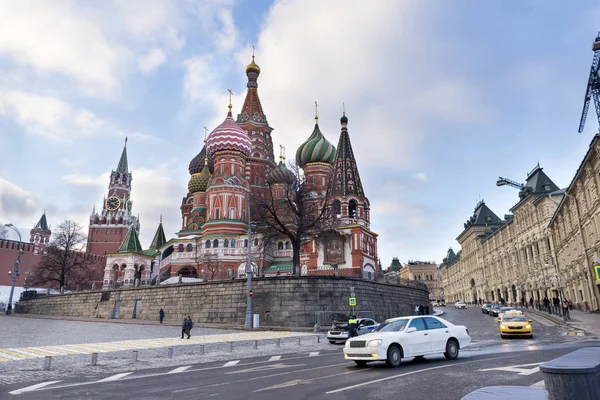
(189, 327)
(416, 310)
(184, 326)
(426, 310)
(161, 315)
(531, 302)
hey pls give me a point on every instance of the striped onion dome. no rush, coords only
(315, 149)
(281, 175)
(197, 163)
(228, 136)
(199, 181)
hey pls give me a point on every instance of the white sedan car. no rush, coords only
(460, 304)
(404, 337)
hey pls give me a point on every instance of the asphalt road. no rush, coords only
(327, 375)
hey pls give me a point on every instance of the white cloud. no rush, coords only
(420, 177)
(17, 205)
(77, 178)
(153, 59)
(54, 37)
(55, 119)
(226, 38)
(199, 80)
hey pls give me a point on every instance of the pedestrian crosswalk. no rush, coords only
(24, 353)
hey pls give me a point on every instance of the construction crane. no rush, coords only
(505, 181)
(593, 86)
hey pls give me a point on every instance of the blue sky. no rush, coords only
(442, 98)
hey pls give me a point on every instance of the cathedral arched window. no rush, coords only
(189, 247)
(288, 245)
(207, 245)
(352, 204)
(255, 242)
(280, 246)
(180, 248)
(245, 242)
(232, 243)
(337, 208)
(217, 213)
(226, 243)
(216, 243)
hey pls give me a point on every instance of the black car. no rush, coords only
(486, 308)
(495, 310)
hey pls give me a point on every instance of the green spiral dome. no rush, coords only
(316, 149)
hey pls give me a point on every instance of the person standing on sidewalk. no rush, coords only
(161, 315)
(189, 326)
(184, 326)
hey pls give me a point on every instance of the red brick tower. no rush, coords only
(40, 234)
(253, 121)
(109, 227)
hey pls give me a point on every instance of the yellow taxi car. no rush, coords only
(507, 311)
(515, 325)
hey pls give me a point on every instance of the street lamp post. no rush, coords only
(248, 322)
(15, 271)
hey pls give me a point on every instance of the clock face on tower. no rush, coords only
(112, 203)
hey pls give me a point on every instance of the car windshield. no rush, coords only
(392, 326)
(516, 318)
(504, 309)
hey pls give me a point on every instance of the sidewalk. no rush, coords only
(589, 322)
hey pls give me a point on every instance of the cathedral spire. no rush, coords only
(346, 179)
(159, 237)
(131, 243)
(123, 167)
(252, 110)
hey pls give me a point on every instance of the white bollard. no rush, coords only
(278, 343)
(202, 349)
(255, 344)
(134, 355)
(230, 348)
(47, 362)
(256, 321)
(170, 352)
(94, 360)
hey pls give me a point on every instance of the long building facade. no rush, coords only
(532, 253)
(235, 165)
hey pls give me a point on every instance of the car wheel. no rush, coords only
(332, 341)
(360, 363)
(451, 349)
(394, 356)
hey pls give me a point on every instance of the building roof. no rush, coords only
(123, 167)
(346, 180)
(316, 149)
(482, 216)
(537, 184)
(252, 110)
(131, 243)
(42, 223)
(228, 136)
(159, 237)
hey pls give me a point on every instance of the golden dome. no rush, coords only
(252, 67)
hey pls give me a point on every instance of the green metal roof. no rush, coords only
(279, 267)
(131, 243)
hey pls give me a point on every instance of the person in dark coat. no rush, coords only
(184, 326)
(161, 315)
(189, 327)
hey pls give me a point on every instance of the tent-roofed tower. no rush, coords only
(253, 121)
(40, 234)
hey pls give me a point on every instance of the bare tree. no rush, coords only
(3, 232)
(65, 263)
(209, 262)
(294, 210)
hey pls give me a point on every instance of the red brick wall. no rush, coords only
(100, 242)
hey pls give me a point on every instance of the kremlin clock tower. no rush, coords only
(109, 227)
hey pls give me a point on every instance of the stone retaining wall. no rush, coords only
(281, 301)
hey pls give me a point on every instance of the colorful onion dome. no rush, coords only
(252, 67)
(316, 149)
(228, 136)
(199, 181)
(197, 163)
(281, 175)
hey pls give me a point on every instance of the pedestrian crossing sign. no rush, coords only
(597, 270)
(352, 301)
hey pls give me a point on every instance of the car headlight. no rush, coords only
(374, 343)
(502, 326)
(528, 326)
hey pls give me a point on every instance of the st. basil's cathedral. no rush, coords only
(236, 164)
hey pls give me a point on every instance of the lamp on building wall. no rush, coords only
(234, 181)
(15, 272)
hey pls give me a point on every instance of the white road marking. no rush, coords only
(10, 357)
(275, 358)
(264, 368)
(68, 349)
(33, 387)
(26, 353)
(515, 368)
(114, 377)
(298, 381)
(313, 354)
(179, 369)
(47, 351)
(231, 363)
(539, 384)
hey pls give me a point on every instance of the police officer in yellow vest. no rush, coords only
(352, 326)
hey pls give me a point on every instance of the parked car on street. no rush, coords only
(486, 308)
(493, 312)
(460, 304)
(406, 337)
(339, 330)
(515, 325)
